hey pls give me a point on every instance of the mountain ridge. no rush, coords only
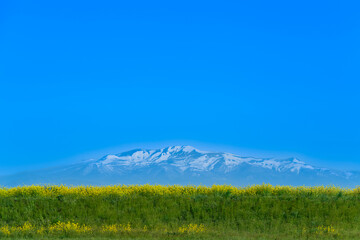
(184, 165)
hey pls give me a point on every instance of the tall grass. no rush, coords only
(256, 212)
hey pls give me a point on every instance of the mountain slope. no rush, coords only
(184, 165)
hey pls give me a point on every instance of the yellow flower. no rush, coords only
(5, 230)
(192, 228)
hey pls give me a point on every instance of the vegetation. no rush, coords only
(177, 212)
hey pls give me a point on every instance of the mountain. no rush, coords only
(185, 165)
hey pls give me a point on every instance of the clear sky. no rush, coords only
(271, 76)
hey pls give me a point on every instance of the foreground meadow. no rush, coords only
(179, 212)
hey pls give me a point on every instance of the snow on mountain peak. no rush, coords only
(187, 165)
(189, 158)
(188, 148)
(110, 158)
(184, 148)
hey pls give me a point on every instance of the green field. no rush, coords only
(175, 212)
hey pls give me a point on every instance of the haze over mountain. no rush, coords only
(184, 165)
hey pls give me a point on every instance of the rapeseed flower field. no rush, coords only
(122, 190)
(170, 212)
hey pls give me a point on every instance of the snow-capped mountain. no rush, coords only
(184, 165)
(187, 158)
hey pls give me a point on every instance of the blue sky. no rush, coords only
(80, 77)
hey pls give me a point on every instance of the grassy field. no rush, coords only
(176, 212)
